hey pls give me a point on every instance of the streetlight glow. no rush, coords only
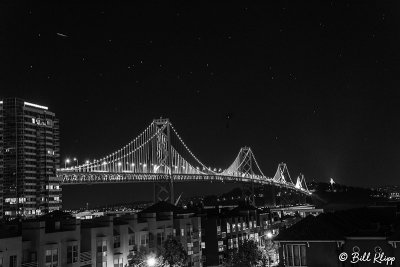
(269, 235)
(67, 161)
(151, 261)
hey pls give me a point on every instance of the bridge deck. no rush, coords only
(73, 178)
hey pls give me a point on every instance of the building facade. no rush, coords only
(164, 220)
(224, 229)
(30, 155)
(343, 238)
(59, 239)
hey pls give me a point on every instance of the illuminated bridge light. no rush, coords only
(154, 139)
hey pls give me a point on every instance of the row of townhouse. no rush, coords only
(208, 235)
(58, 239)
(225, 228)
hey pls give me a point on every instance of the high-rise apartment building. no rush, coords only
(29, 157)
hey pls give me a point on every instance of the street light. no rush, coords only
(151, 261)
(67, 161)
(87, 162)
(269, 235)
(77, 162)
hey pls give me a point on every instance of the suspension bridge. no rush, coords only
(160, 155)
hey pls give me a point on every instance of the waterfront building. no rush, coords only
(30, 155)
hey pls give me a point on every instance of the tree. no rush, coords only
(271, 252)
(173, 253)
(137, 257)
(247, 255)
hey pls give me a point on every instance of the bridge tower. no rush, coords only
(246, 168)
(281, 178)
(164, 191)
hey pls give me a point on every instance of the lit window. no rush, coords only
(51, 258)
(218, 230)
(220, 246)
(101, 256)
(118, 262)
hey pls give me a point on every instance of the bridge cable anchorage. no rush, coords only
(160, 155)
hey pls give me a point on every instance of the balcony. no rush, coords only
(85, 258)
(30, 264)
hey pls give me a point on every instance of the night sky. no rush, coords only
(314, 84)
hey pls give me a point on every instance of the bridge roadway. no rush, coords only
(73, 178)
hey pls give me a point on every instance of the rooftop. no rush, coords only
(355, 223)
